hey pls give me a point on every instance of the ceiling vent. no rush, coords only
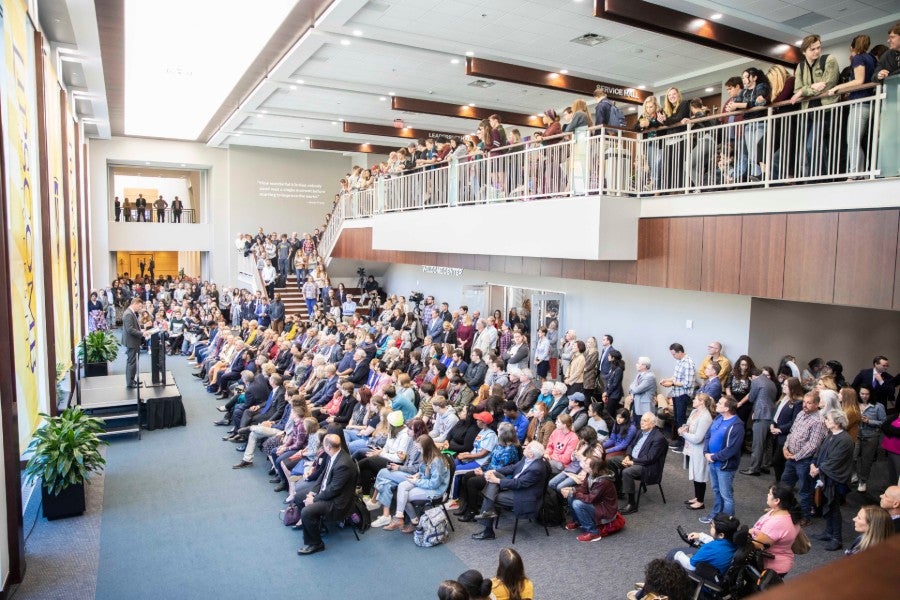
(482, 83)
(590, 39)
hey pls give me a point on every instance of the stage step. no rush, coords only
(120, 430)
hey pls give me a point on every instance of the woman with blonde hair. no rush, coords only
(581, 118)
(874, 525)
(650, 118)
(694, 433)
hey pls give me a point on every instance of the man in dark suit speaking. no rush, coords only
(334, 498)
(132, 336)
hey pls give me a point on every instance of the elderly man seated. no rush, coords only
(643, 460)
(520, 485)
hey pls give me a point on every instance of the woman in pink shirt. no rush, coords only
(561, 444)
(778, 527)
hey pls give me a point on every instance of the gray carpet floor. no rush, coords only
(178, 522)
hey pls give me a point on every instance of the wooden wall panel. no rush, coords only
(482, 262)
(623, 271)
(809, 257)
(465, 261)
(897, 278)
(862, 239)
(531, 265)
(551, 267)
(721, 260)
(573, 268)
(498, 264)
(762, 255)
(653, 244)
(514, 265)
(596, 270)
(684, 254)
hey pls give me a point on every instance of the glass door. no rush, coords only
(546, 309)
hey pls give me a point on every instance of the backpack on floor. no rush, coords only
(360, 517)
(613, 526)
(433, 528)
(551, 513)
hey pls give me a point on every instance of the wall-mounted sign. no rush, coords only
(449, 271)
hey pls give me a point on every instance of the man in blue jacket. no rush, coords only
(722, 449)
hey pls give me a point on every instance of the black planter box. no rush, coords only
(69, 502)
(96, 369)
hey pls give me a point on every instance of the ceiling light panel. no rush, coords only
(173, 89)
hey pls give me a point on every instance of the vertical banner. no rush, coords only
(74, 258)
(21, 193)
(58, 259)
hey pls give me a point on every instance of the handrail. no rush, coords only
(774, 148)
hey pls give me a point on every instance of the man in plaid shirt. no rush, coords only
(802, 444)
(682, 384)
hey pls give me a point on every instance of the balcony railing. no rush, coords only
(153, 215)
(782, 144)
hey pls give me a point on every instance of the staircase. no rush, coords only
(292, 298)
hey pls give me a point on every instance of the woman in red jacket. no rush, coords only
(593, 504)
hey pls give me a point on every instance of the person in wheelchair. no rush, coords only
(717, 548)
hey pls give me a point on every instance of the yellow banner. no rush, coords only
(73, 201)
(58, 259)
(20, 158)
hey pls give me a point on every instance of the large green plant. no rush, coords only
(98, 347)
(66, 450)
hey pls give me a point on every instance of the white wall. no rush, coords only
(850, 335)
(168, 187)
(643, 320)
(587, 227)
(215, 229)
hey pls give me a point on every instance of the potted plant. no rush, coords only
(96, 350)
(66, 450)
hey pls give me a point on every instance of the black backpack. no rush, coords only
(551, 514)
(360, 517)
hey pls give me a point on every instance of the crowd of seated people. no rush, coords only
(729, 148)
(392, 393)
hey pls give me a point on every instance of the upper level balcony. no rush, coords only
(581, 195)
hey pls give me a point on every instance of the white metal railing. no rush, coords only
(775, 145)
(333, 229)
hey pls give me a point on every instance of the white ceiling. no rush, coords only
(362, 50)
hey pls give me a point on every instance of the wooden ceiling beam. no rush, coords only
(409, 133)
(463, 111)
(491, 69)
(350, 147)
(705, 32)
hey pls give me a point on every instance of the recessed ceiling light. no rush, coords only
(782, 48)
(715, 16)
(265, 112)
(709, 89)
(300, 81)
(382, 98)
(341, 120)
(564, 71)
(798, 43)
(470, 53)
(293, 87)
(642, 87)
(146, 163)
(307, 139)
(357, 32)
(454, 61)
(470, 104)
(345, 42)
(391, 93)
(334, 122)
(183, 165)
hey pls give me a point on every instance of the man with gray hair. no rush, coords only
(642, 390)
(519, 486)
(567, 350)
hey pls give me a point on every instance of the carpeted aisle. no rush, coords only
(178, 522)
